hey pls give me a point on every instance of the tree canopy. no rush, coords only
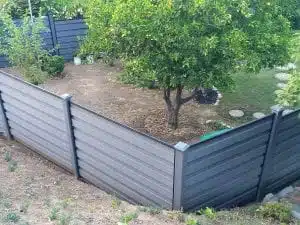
(189, 44)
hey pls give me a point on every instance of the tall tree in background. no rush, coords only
(189, 44)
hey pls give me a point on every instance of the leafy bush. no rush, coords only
(192, 221)
(290, 95)
(128, 217)
(12, 217)
(208, 212)
(12, 166)
(136, 73)
(23, 46)
(277, 211)
(53, 65)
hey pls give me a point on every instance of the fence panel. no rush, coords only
(1, 126)
(122, 161)
(286, 154)
(36, 118)
(69, 33)
(46, 36)
(225, 170)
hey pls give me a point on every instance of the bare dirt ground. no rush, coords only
(33, 191)
(97, 87)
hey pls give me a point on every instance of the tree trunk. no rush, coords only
(173, 107)
(173, 118)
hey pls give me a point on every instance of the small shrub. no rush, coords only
(53, 214)
(115, 203)
(12, 166)
(277, 211)
(192, 221)
(64, 219)
(12, 217)
(7, 156)
(34, 74)
(53, 65)
(128, 217)
(208, 212)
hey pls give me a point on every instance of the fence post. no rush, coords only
(53, 33)
(4, 119)
(180, 149)
(70, 132)
(267, 164)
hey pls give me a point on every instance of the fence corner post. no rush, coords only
(267, 164)
(53, 33)
(180, 149)
(69, 126)
(4, 119)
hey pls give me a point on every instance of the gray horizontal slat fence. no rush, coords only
(285, 158)
(69, 33)
(62, 35)
(225, 171)
(232, 169)
(130, 164)
(36, 118)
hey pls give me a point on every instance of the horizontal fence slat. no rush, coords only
(30, 90)
(105, 177)
(41, 131)
(231, 163)
(10, 102)
(74, 26)
(287, 144)
(166, 173)
(289, 121)
(22, 137)
(286, 154)
(124, 180)
(148, 144)
(40, 123)
(193, 187)
(230, 138)
(132, 173)
(34, 102)
(288, 133)
(40, 140)
(228, 153)
(68, 22)
(68, 33)
(145, 169)
(104, 186)
(108, 136)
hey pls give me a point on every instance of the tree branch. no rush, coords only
(187, 99)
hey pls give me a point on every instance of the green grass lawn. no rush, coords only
(252, 93)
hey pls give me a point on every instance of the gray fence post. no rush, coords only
(70, 132)
(180, 149)
(267, 165)
(4, 119)
(53, 32)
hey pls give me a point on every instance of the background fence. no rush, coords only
(232, 169)
(64, 35)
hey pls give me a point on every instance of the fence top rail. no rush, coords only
(233, 130)
(126, 127)
(29, 84)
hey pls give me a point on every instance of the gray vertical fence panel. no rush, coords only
(135, 167)
(63, 35)
(285, 161)
(4, 127)
(69, 33)
(28, 109)
(225, 170)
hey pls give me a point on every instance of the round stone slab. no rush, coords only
(282, 76)
(281, 85)
(289, 66)
(258, 115)
(236, 113)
